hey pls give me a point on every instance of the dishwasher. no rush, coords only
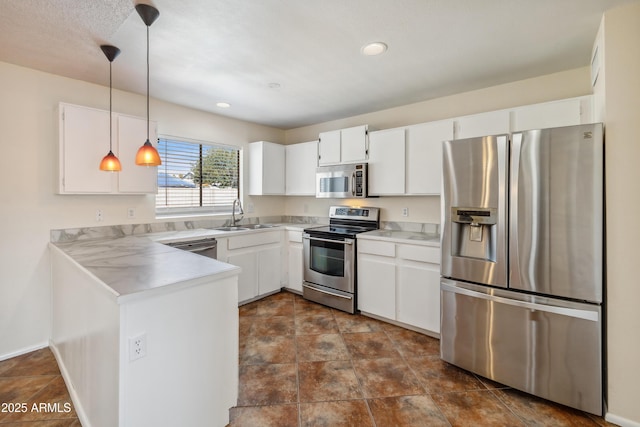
(207, 246)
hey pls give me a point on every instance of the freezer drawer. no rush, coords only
(546, 347)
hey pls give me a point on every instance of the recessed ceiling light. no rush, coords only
(274, 85)
(372, 49)
(223, 105)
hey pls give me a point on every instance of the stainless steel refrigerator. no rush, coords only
(522, 261)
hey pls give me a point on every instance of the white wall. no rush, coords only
(622, 151)
(29, 209)
(550, 87)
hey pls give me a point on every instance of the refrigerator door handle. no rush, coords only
(514, 170)
(571, 312)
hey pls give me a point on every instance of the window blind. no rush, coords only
(197, 176)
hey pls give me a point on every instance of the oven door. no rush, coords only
(329, 262)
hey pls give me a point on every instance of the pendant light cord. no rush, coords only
(148, 83)
(110, 110)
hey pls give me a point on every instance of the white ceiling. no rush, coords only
(206, 51)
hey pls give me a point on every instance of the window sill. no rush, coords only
(190, 214)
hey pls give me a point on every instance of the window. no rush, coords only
(196, 177)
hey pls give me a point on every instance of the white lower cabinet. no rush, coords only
(295, 261)
(400, 282)
(418, 302)
(247, 280)
(259, 255)
(269, 273)
(377, 285)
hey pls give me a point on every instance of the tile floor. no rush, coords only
(33, 382)
(303, 364)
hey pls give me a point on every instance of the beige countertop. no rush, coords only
(132, 265)
(399, 236)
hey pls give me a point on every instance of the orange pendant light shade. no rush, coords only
(110, 163)
(147, 155)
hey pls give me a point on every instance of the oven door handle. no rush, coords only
(313, 288)
(344, 242)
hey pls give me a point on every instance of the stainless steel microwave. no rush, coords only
(342, 181)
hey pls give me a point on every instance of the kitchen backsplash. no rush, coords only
(113, 231)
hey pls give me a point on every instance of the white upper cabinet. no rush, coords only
(301, 161)
(348, 145)
(408, 161)
(132, 133)
(266, 168)
(84, 141)
(329, 147)
(483, 124)
(567, 112)
(353, 146)
(424, 156)
(387, 162)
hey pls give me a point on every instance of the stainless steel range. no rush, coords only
(330, 256)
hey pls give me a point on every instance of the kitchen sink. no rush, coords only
(245, 227)
(237, 228)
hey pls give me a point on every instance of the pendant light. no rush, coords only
(110, 162)
(147, 154)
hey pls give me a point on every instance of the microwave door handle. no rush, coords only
(353, 184)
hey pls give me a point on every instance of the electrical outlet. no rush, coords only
(99, 215)
(249, 208)
(137, 347)
(405, 211)
(131, 212)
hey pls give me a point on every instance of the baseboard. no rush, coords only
(401, 324)
(22, 351)
(82, 416)
(621, 421)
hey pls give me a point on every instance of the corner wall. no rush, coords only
(622, 152)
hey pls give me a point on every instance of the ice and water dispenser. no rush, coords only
(474, 244)
(474, 233)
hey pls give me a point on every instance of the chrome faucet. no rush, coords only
(234, 221)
